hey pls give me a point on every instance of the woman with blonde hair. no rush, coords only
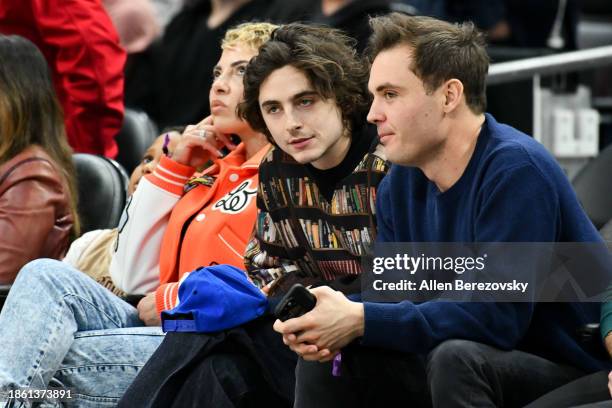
(58, 326)
(37, 190)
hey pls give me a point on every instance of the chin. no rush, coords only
(228, 125)
(304, 157)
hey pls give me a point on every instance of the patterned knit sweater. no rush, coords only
(300, 235)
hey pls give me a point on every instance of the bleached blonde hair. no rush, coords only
(253, 35)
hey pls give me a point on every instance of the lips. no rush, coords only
(216, 105)
(384, 136)
(300, 142)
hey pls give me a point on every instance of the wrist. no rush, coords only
(358, 319)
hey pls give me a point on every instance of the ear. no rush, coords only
(453, 94)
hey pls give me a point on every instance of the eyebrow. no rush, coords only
(293, 98)
(232, 65)
(239, 62)
(386, 85)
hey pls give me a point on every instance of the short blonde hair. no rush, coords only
(253, 35)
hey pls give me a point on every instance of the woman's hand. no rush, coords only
(201, 143)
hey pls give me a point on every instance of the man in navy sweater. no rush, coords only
(460, 177)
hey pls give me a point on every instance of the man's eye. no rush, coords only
(272, 109)
(241, 70)
(306, 102)
(389, 95)
(216, 74)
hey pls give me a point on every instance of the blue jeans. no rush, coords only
(60, 327)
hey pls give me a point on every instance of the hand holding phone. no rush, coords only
(296, 302)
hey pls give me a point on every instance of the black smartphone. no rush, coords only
(295, 303)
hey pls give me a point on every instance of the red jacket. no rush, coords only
(82, 48)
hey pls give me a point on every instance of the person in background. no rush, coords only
(351, 16)
(38, 195)
(92, 252)
(135, 21)
(544, 23)
(82, 48)
(166, 79)
(56, 320)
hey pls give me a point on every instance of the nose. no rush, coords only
(220, 85)
(293, 124)
(374, 115)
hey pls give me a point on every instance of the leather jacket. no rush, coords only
(35, 211)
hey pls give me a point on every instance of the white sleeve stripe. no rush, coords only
(171, 173)
(166, 295)
(159, 176)
(175, 296)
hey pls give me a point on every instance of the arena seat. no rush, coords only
(136, 135)
(102, 185)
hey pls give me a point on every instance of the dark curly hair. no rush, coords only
(328, 59)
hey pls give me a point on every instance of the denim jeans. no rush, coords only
(60, 327)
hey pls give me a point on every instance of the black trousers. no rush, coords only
(244, 367)
(369, 378)
(590, 390)
(458, 373)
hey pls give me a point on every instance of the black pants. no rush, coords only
(240, 368)
(590, 389)
(458, 373)
(369, 378)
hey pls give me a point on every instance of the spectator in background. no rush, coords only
(351, 16)
(82, 48)
(167, 79)
(92, 252)
(135, 22)
(513, 23)
(37, 190)
(165, 10)
(55, 318)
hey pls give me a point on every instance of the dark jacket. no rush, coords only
(35, 213)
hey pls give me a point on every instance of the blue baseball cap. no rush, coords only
(215, 298)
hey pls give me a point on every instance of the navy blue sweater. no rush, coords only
(511, 191)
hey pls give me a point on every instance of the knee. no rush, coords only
(454, 355)
(42, 270)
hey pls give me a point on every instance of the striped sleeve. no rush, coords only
(135, 264)
(170, 175)
(166, 296)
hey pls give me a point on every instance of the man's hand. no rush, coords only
(147, 312)
(321, 333)
(201, 143)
